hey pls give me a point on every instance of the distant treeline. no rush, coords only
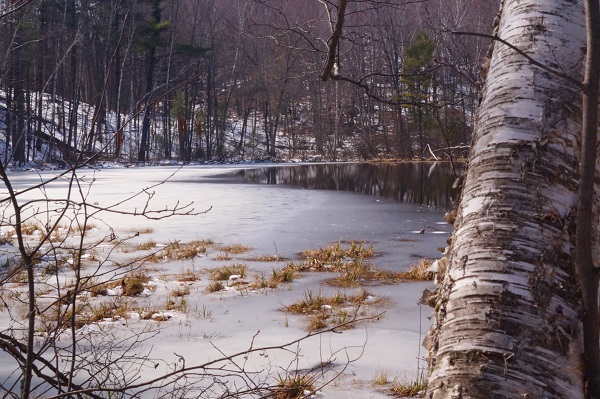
(210, 80)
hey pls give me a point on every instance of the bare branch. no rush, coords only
(219, 364)
(531, 60)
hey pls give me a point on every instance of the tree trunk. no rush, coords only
(507, 321)
(210, 98)
(587, 272)
(18, 114)
(152, 44)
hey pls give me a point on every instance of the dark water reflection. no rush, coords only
(417, 183)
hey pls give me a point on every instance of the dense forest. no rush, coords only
(231, 80)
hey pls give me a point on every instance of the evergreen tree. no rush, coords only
(416, 76)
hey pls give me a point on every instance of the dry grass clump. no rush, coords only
(181, 292)
(223, 256)
(329, 258)
(175, 250)
(75, 227)
(294, 387)
(180, 306)
(325, 311)
(417, 272)
(382, 378)
(154, 257)
(160, 317)
(131, 285)
(87, 227)
(357, 250)
(51, 268)
(99, 289)
(57, 236)
(30, 228)
(7, 238)
(154, 315)
(62, 232)
(234, 249)
(108, 310)
(215, 286)
(260, 282)
(72, 259)
(265, 258)
(357, 272)
(70, 318)
(188, 275)
(349, 262)
(225, 272)
(285, 275)
(147, 314)
(207, 242)
(86, 283)
(352, 268)
(318, 321)
(145, 246)
(17, 276)
(409, 388)
(64, 316)
(335, 257)
(178, 251)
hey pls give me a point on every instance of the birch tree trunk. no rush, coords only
(507, 320)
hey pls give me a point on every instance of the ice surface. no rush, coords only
(272, 220)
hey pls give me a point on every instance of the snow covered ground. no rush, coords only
(272, 220)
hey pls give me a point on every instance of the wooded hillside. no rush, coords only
(146, 80)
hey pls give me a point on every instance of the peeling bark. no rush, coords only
(507, 320)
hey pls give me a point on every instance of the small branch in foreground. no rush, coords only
(210, 367)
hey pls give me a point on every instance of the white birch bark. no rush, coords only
(507, 319)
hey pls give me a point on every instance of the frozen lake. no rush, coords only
(274, 219)
(277, 219)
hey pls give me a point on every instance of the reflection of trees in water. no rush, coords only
(418, 183)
